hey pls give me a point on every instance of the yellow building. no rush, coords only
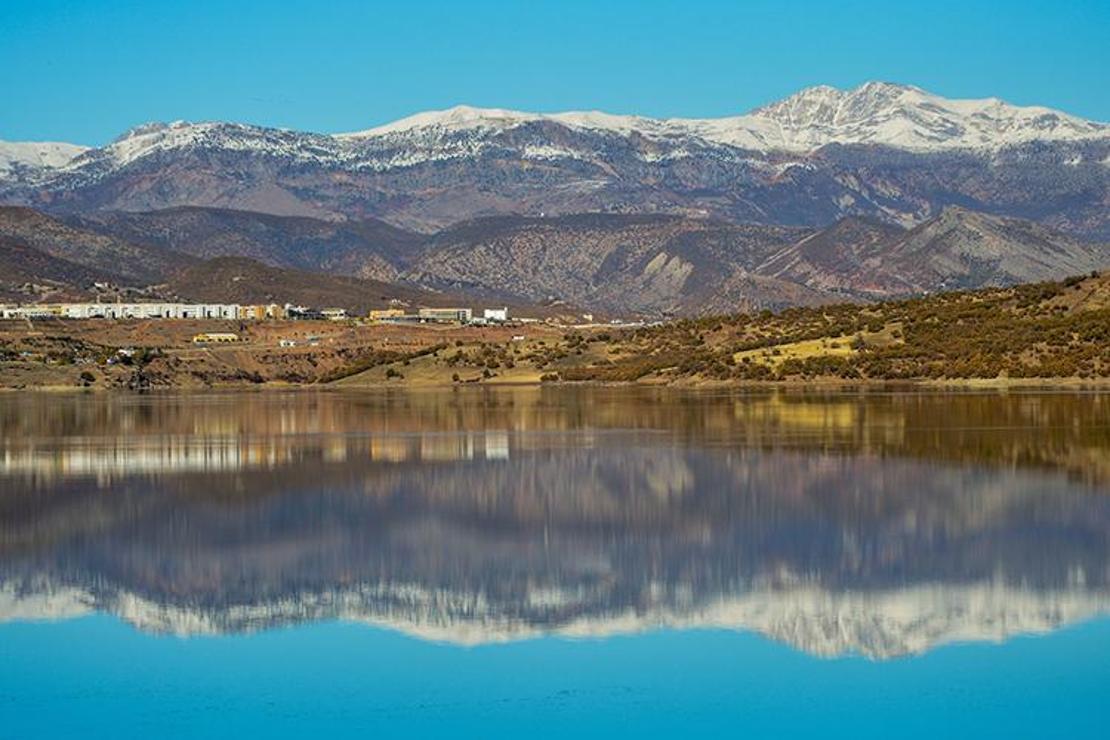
(215, 337)
(378, 314)
(260, 312)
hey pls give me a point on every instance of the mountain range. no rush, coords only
(879, 191)
(649, 265)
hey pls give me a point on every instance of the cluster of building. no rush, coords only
(443, 315)
(237, 311)
(143, 311)
(121, 311)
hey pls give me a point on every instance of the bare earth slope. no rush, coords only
(639, 264)
(648, 265)
(956, 250)
(27, 274)
(133, 263)
(247, 281)
(369, 248)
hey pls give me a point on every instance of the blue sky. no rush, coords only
(86, 71)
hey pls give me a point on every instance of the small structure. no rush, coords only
(216, 337)
(498, 315)
(287, 343)
(334, 314)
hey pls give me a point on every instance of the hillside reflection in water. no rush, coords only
(873, 523)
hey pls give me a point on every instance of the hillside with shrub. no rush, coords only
(1042, 330)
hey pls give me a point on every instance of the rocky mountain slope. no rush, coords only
(888, 152)
(247, 281)
(122, 260)
(958, 249)
(44, 259)
(639, 264)
(610, 263)
(642, 264)
(27, 274)
(368, 248)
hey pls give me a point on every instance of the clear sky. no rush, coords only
(86, 71)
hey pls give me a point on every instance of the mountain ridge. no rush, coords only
(891, 152)
(645, 264)
(903, 116)
(832, 111)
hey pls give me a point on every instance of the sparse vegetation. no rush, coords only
(1044, 330)
(1029, 331)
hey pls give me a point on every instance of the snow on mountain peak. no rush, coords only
(882, 113)
(908, 117)
(35, 155)
(460, 116)
(151, 138)
(157, 136)
(875, 113)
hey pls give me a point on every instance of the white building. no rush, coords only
(122, 311)
(445, 314)
(496, 314)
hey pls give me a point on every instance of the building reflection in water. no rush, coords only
(108, 460)
(881, 524)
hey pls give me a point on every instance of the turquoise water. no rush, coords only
(97, 677)
(555, 563)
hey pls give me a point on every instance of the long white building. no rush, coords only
(123, 311)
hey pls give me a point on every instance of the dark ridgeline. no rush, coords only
(617, 264)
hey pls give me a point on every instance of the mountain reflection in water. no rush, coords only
(873, 523)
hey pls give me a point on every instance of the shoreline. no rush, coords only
(826, 384)
(1052, 336)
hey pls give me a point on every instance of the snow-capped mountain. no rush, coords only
(877, 113)
(890, 152)
(34, 157)
(909, 118)
(156, 138)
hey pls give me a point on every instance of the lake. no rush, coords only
(555, 561)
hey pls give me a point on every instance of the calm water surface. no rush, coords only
(552, 562)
